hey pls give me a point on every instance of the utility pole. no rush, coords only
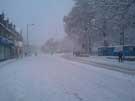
(27, 43)
(87, 40)
(27, 35)
(105, 43)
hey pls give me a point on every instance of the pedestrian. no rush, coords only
(120, 56)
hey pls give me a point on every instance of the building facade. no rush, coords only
(9, 39)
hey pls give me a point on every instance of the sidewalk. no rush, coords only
(104, 62)
(6, 62)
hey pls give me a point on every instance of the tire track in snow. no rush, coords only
(74, 94)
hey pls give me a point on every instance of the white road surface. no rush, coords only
(52, 78)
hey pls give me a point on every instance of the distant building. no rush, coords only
(11, 42)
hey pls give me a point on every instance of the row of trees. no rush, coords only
(93, 23)
(58, 46)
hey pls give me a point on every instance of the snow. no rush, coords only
(114, 62)
(3, 63)
(52, 78)
(104, 60)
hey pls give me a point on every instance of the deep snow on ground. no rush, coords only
(106, 60)
(52, 78)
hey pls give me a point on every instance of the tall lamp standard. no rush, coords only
(28, 25)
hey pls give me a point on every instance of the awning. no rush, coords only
(6, 41)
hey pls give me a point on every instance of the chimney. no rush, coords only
(2, 16)
(7, 22)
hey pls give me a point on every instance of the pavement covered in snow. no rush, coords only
(105, 62)
(52, 78)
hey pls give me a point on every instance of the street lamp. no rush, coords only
(28, 25)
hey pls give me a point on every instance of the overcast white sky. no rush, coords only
(47, 15)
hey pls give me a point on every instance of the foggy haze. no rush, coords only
(67, 50)
(47, 15)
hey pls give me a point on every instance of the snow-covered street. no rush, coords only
(52, 78)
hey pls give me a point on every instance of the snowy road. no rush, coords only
(51, 78)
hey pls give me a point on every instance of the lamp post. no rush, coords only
(28, 25)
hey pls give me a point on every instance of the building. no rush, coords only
(10, 40)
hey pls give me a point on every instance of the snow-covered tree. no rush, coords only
(101, 22)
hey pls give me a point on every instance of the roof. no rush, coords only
(14, 33)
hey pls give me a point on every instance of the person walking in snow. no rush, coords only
(120, 56)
